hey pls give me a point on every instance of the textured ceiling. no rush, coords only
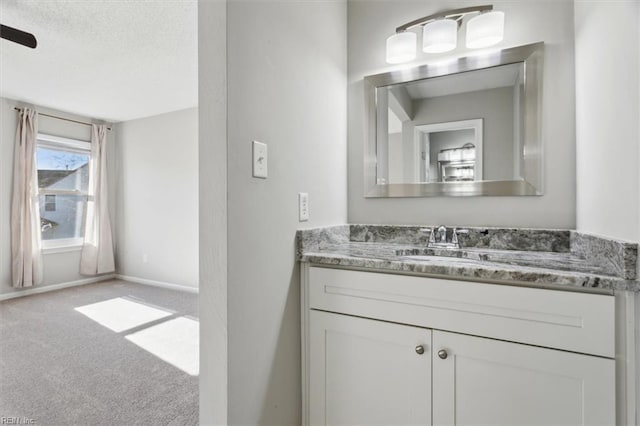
(114, 60)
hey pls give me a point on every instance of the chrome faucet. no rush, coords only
(438, 237)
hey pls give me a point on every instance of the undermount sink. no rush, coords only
(474, 256)
(458, 254)
(433, 257)
(562, 261)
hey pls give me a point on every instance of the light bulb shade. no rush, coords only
(401, 47)
(485, 30)
(440, 36)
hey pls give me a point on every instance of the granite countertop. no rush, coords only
(544, 258)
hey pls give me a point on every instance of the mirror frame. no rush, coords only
(532, 56)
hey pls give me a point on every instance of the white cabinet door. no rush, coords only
(367, 372)
(489, 382)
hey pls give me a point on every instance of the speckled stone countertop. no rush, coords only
(535, 257)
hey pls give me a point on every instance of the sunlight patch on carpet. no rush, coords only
(120, 314)
(175, 341)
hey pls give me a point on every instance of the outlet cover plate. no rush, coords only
(303, 206)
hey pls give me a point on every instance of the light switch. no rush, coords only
(259, 159)
(303, 206)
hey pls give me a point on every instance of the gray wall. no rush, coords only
(62, 267)
(495, 107)
(607, 118)
(287, 88)
(158, 198)
(371, 22)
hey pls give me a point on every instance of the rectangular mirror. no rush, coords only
(467, 127)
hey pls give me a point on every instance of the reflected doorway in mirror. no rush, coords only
(447, 152)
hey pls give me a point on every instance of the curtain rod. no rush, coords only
(61, 118)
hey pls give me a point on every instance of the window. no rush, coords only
(49, 203)
(63, 182)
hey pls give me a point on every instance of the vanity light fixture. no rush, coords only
(440, 32)
(440, 35)
(401, 47)
(485, 30)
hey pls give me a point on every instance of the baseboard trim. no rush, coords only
(155, 283)
(53, 287)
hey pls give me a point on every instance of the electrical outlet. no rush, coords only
(259, 160)
(303, 206)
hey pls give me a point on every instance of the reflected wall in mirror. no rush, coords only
(441, 152)
(468, 128)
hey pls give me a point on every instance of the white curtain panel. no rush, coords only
(26, 254)
(97, 251)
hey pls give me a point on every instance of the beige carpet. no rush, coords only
(88, 356)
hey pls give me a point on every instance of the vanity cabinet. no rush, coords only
(483, 381)
(382, 349)
(368, 372)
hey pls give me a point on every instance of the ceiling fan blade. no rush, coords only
(17, 36)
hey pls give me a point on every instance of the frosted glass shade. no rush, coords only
(401, 47)
(440, 36)
(485, 30)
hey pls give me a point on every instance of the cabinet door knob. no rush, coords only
(419, 349)
(443, 354)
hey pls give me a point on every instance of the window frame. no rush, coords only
(58, 143)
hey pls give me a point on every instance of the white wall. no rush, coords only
(397, 161)
(607, 59)
(58, 267)
(212, 166)
(371, 22)
(287, 88)
(158, 198)
(607, 56)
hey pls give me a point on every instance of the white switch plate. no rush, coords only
(259, 159)
(303, 206)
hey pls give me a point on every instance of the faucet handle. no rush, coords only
(454, 236)
(432, 237)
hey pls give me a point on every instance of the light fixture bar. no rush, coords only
(451, 14)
